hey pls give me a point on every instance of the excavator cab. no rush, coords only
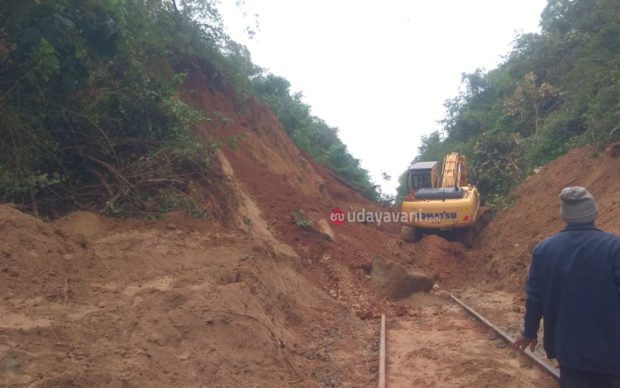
(423, 175)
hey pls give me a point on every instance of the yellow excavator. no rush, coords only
(442, 200)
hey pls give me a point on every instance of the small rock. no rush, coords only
(365, 315)
(326, 229)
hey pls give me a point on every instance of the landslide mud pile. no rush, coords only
(90, 301)
(280, 188)
(508, 240)
(263, 293)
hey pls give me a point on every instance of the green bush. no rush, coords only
(90, 111)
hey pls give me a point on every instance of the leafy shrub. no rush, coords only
(301, 220)
(90, 111)
(89, 106)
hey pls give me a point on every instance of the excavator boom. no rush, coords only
(454, 171)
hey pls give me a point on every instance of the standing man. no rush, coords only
(574, 284)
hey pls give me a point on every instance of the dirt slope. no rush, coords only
(248, 297)
(268, 168)
(509, 239)
(91, 301)
(245, 298)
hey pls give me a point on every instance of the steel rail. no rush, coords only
(382, 353)
(539, 361)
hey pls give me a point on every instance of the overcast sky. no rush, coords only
(379, 70)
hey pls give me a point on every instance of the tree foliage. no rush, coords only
(555, 90)
(89, 106)
(90, 111)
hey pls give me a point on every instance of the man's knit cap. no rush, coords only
(577, 205)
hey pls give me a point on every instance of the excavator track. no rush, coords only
(466, 236)
(483, 219)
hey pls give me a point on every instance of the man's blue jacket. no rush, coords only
(574, 284)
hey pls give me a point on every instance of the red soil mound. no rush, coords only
(509, 239)
(180, 303)
(282, 181)
(266, 293)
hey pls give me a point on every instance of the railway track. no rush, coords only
(553, 371)
(430, 347)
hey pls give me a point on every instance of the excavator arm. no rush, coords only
(454, 171)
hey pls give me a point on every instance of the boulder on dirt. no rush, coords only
(394, 281)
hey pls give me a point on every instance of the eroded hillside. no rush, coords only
(250, 296)
(508, 241)
(265, 291)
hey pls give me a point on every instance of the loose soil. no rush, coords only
(505, 310)
(439, 346)
(89, 301)
(507, 242)
(252, 295)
